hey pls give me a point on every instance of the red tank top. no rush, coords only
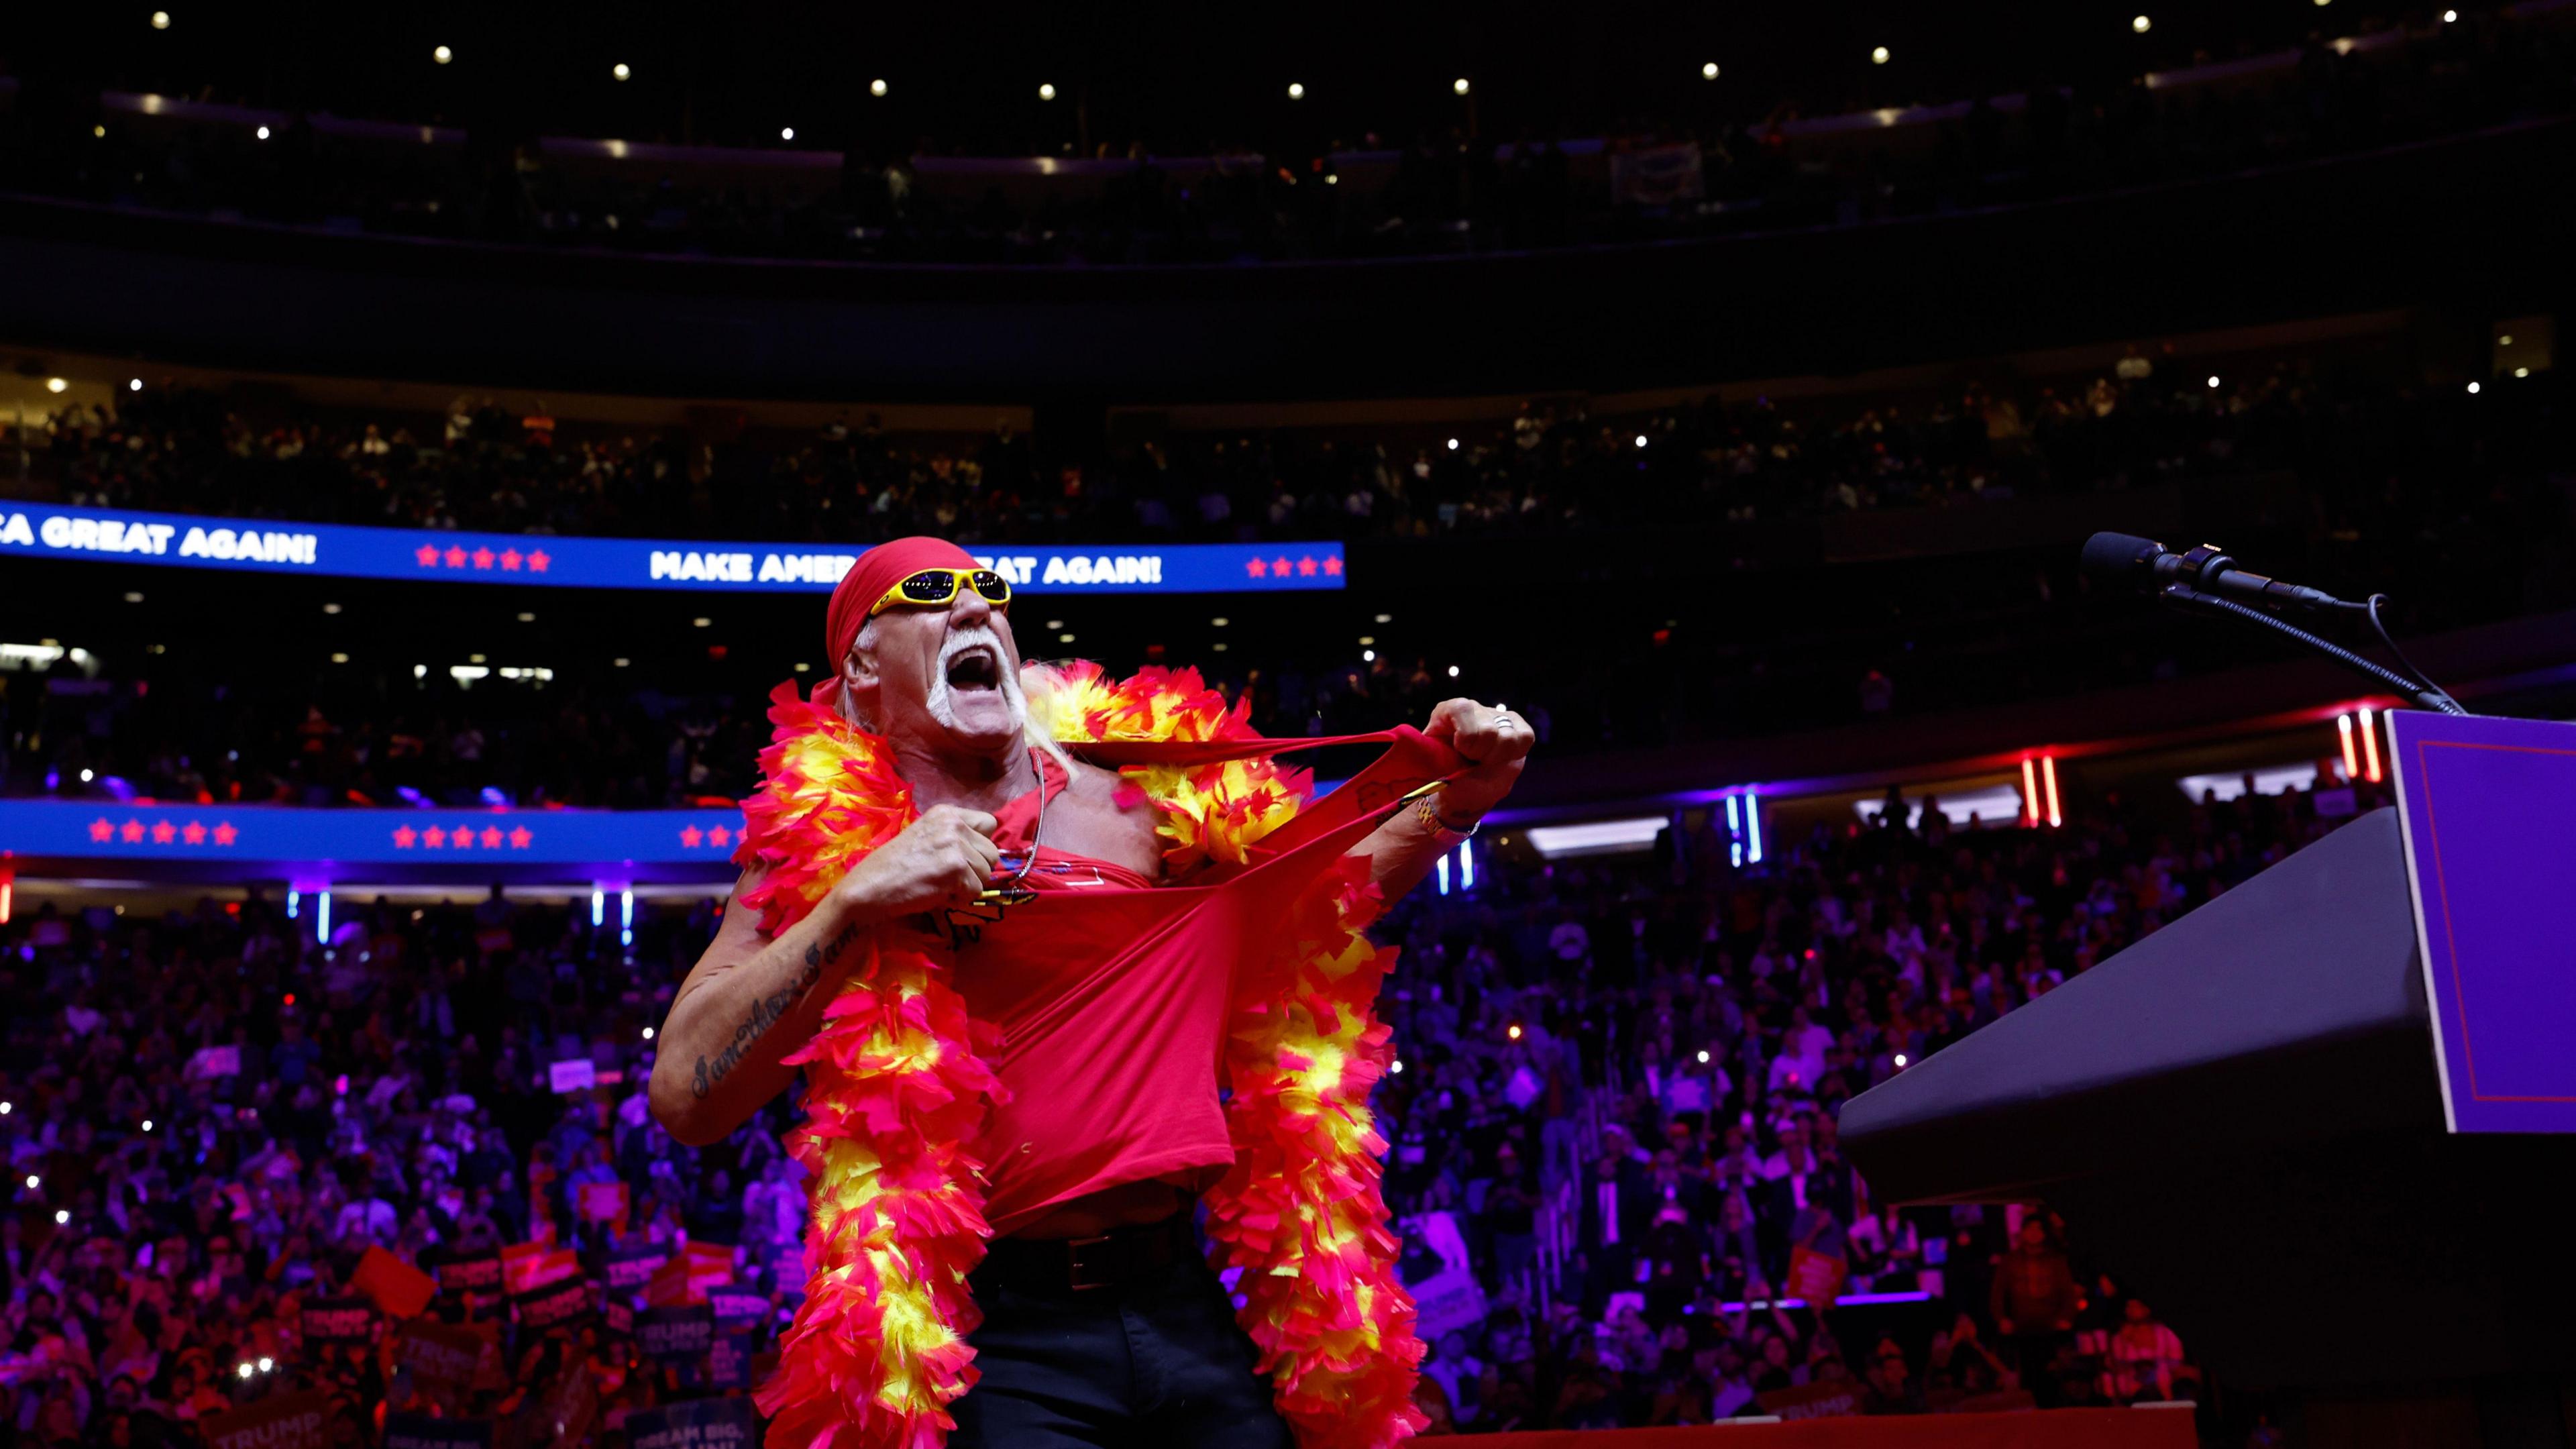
(1112, 993)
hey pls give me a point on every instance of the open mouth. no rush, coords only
(975, 667)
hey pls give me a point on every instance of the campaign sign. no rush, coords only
(619, 1318)
(1446, 1300)
(631, 1267)
(289, 1421)
(442, 1359)
(559, 1304)
(2486, 806)
(419, 1431)
(729, 1360)
(738, 1307)
(726, 1423)
(119, 535)
(339, 1320)
(675, 1335)
(479, 1274)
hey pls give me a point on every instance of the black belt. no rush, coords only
(1067, 1265)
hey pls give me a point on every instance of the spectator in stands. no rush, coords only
(2145, 1356)
(2035, 1301)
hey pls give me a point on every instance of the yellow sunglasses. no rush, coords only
(934, 587)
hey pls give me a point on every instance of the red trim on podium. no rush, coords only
(2049, 1429)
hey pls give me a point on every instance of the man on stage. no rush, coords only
(1017, 980)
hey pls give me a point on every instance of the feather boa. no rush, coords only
(898, 1088)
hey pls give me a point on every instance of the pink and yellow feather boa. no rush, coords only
(898, 1087)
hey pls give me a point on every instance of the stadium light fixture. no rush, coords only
(787, 133)
(2449, 16)
(1453, 442)
(2141, 24)
(134, 384)
(877, 88)
(2213, 379)
(160, 19)
(1878, 55)
(442, 55)
(262, 133)
(1046, 90)
(1641, 440)
(1453, 671)
(1459, 85)
(620, 71)
(1598, 837)
(1368, 656)
(2473, 389)
(1296, 91)
(1708, 71)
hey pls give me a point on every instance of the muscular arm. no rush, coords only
(752, 999)
(1402, 851)
(749, 1001)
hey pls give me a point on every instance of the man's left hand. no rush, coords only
(1494, 741)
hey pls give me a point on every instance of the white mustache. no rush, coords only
(943, 707)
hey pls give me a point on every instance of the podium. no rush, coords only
(2241, 1116)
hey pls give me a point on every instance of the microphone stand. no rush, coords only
(2425, 694)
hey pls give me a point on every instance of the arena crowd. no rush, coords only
(1613, 1147)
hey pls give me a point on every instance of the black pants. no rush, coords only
(1157, 1360)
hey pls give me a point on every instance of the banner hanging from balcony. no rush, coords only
(656, 843)
(344, 551)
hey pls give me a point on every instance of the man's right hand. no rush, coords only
(942, 859)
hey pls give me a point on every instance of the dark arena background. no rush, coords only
(428, 434)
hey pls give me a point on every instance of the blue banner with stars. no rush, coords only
(322, 842)
(440, 556)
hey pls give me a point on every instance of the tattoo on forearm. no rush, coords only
(766, 1010)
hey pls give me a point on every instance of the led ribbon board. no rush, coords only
(342, 551)
(703, 840)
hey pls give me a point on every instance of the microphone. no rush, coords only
(2146, 564)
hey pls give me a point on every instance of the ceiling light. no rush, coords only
(134, 384)
(1878, 55)
(1459, 85)
(1386, 618)
(1453, 671)
(56, 384)
(1046, 90)
(2473, 387)
(1368, 656)
(1220, 621)
(876, 88)
(442, 55)
(527, 618)
(1064, 638)
(2213, 379)
(787, 133)
(1296, 92)
(620, 71)
(2450, 15)
(701, 622)
(330, 608)
(1708, 71)
(617, 663)
(1368, 638)
(1599, 837)
(1641, 440)
(2141, 24)
(339, 658)
(1055, 623)
(133, 598)
(1453, 445)
(160, 19)
(262, 133)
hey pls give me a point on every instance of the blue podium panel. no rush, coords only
(2489, 810)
